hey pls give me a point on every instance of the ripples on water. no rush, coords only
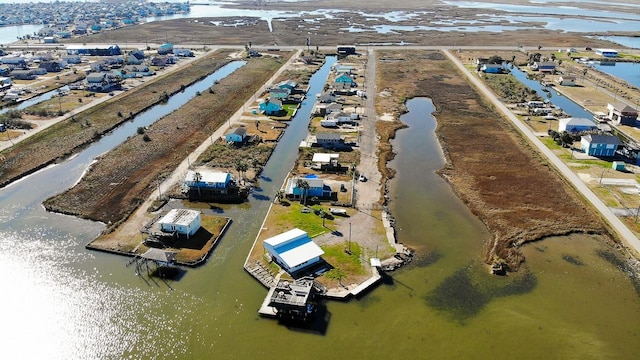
(56, 310)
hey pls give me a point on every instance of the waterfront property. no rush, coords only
(607, 53)
(291, 300)
(293, 250)
(567, 80)
(546, 67)
(599, 145)
(622, 114)
(236, 136)
(209, 185)
(297, 187)
(181, 222)
(271, 106)
(576, 125)
(491, 68)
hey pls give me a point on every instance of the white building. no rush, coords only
(183, 221)
(293, 250)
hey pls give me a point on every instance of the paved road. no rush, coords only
(625, 234)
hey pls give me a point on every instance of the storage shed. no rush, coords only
(576, 125)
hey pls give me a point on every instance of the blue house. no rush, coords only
(576, 125)
(344, 78)
(599, 145)
(491, 68)
(166, 48)
(288, 84)
(271, 106)
(206, 179)
(317, 188)
(237, 135)
(546, 66)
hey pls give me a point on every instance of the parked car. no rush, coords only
(362, 178)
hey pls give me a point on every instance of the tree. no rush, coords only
(304, 185)
(197, 177)
(241, 168)
(495, 59)
(279, 195)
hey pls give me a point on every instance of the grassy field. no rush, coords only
(114, 188)
(67, 137)
(516, 205)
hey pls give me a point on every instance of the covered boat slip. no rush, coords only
(165, 263)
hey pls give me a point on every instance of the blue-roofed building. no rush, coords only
(316, 188)
(271, 106)
(599, 145)
(491, 68)
(293, 250)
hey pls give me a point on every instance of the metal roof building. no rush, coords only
(293, 250)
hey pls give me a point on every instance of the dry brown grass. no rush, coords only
(491, 168)
(115, 187)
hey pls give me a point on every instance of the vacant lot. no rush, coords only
(491, 168)
(123, 178)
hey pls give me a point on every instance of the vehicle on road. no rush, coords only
(362, 178)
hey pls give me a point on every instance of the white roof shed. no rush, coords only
(293, 250)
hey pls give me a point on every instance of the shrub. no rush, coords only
(146, 138)
(140, 130)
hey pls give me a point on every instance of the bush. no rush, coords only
(140, 130)
(146, 138)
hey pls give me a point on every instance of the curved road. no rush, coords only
(617, 225)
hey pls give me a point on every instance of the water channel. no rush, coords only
(84, 304)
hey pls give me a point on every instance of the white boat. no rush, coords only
(335, 211)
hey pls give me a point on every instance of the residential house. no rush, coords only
(329, 140)
(599, 145)
(293, 250)
(341, 117)
(23, 74)
(345, 79)
(576, 125)
(491, 68)
(271, 106)
(567, 80)
(546, 67)
(327, 122)
(164, 49)
(49, 40)
(237, 135)
(136, 71)
(132, 60)
(5, 82)
(610, 53)
(288, 84)
(17, 61)
(279, 93)
(622, 114)
(102, 81)
(326, 97)
(72, 59)
(204, 178)
(50, 66)
(325, 162)
(183, 52)
(346, 50)
(342, 69)
(317, 188)
(181, 221)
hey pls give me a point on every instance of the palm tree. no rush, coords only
(197, 177)
(304, 185)
(279, 195)
(241, 168)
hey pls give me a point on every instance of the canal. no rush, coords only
(567, 302)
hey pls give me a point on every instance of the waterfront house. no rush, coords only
(316, 188)
(181, 222)
(288, 84)
(293, 300)
(271, 106)
(279, 93)
(609, 53)
(546, 67)
(346, 50)
(326, 97)
(102, 81)
(599, 145)
(293, 250)
(491, 68)
(345, 79)
(576, 125)
(567, 80)
(342, 69)
(326, 122)
(237, 135)
(622, 114)
(329, 140)
(208, 179)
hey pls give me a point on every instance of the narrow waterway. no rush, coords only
(557, 99)
(33, 101)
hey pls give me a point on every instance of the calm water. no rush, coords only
(629, 72)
